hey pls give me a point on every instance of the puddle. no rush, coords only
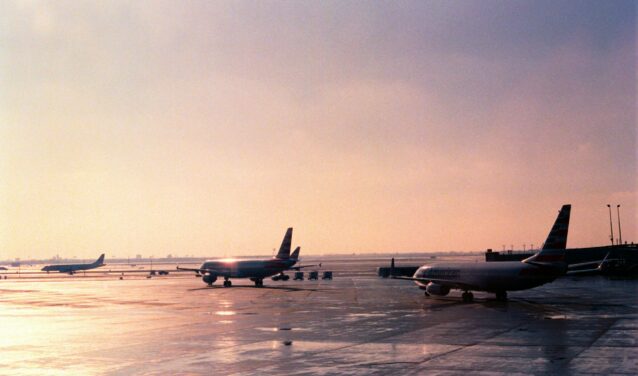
(283, 328)
(363, 315)
(225, 313)
(556, 317)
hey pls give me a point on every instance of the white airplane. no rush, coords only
(72, 268)
(499, 277)
(256, 270)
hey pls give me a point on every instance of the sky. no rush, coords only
(208, 127)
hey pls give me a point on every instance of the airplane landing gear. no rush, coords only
(501, 296)
(227, 282)
(467, 296)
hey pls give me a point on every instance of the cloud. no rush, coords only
(395, 126)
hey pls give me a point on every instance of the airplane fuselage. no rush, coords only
(259, 269)
(72, 268)
(489, 276)
(69, 268)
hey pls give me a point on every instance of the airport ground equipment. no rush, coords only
(313, 275)
(326, 275)
(399, 271)
(405, 271)
(158, 272)
(298, 276)
(280, 277)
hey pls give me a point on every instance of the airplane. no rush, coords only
(498, 277)
(72, 268)
(255, 270)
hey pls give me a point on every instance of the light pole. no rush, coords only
(619, 231)
(611, 227)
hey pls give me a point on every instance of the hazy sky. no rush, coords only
(207, 128)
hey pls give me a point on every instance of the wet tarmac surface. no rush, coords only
(355, 324)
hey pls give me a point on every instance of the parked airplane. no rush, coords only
(72, 268)
(256, 270)
(499, 277)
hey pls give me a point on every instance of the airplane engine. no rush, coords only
(209, 279)
(434, 289)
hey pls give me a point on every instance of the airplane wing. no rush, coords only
(596, 263)
(589, 266)
(584, 268)
(219, 272)
(144, 271)
(197, 270)
(303, 266)
(583, 271)
(422, 280)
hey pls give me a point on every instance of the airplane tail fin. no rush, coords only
(557, 238)
(100, 260)
(295, 254)
(284, 250)
(553, 250)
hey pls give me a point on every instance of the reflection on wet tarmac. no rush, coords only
(225, 313)
(355, 324)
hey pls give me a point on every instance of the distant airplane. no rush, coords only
(256, 270)
(72, 268)
(499, 277)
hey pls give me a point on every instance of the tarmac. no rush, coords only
(355, 324)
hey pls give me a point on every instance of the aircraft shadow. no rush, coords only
(283, 288)
(438, 303)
